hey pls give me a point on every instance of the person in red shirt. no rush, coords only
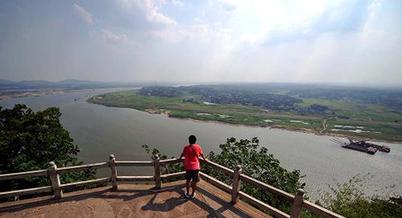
(191, 153)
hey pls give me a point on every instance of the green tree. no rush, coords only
(30, 140)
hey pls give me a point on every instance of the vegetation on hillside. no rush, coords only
(30, 140)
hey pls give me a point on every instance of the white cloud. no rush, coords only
(150, 8)
(152, 13)
(83, 14)
(244, 23)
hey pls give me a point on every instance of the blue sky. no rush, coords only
(339, 41)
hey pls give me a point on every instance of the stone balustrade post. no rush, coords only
(297, 204)
(113, 177)
(236, 184)
(55, 180)
(157, 172)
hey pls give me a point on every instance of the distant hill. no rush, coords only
(64, 84)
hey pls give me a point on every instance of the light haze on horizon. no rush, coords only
(306, 41)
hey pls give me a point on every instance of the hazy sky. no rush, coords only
(202, 40)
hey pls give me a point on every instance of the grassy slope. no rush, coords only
(372, 117)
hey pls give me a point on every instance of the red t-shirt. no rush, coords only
(192, 153)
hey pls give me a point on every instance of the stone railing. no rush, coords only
(56, 188)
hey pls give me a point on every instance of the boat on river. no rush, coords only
(363, 146)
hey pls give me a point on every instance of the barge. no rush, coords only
(362, 146)
(357, 146)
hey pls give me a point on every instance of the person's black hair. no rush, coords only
(192, 139)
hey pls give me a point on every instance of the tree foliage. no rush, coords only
(30, 140)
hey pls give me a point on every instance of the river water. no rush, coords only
(100, 131)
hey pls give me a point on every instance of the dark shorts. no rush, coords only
(192, 175)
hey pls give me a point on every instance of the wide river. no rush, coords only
(100, 131)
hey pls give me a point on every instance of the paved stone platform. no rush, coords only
(133, 200)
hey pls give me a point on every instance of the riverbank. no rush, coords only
(251, 116)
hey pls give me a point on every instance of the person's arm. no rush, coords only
(202, 155)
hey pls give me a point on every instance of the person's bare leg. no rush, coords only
(188, 187)
(194, 187)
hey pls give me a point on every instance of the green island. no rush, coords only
(374, 114)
